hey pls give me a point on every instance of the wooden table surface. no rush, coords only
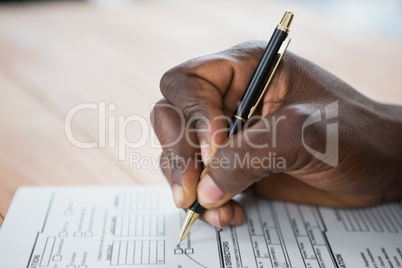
(55, 56)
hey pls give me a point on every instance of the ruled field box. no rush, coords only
(137, 253)
(305, 247)
(277, 255)
(125, 225)
(145, 252)
(324, 256)
(122, 253)
(154, 225)
(130, 252)
(160, 252)
(133, 223)
(152, 252)
(271, 236)
(263, 262)
(47, 251)
(297, 221)
(161, 225)
(115, 253)
(259, 246)
(140, 226)
(118, 226)
(147, 225)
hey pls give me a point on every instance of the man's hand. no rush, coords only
(271, 155)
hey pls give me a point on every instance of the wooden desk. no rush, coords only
(54, 56)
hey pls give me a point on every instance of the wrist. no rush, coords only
(391, 115)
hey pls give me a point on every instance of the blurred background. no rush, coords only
(55, 55)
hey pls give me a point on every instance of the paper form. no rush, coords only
(137, 226)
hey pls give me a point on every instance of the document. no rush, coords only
(138, 226)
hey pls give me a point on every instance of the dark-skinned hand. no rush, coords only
(363, 167)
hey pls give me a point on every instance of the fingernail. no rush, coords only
(178, 195)
(212, 216)
(208, 191)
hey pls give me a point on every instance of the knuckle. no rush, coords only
(182, 89)
(174, 75)
(169, 77)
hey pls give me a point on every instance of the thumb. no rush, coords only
(272, 144)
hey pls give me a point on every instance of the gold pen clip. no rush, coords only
(281, 52)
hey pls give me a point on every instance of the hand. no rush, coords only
(360, 166)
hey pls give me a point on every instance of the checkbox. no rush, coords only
(78, 234)
(63, 234)
(178, 251)
(89, 234)
(189, 251)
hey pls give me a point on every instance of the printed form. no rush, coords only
(138, 226)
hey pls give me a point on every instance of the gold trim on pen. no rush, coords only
(238, 117)
(191, 216)
(281, 52)
(286, 21)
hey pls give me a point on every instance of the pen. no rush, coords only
(255, 91)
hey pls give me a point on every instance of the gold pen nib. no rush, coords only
(188, 223)
(286, 21)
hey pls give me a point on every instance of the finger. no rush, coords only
(272, 144)
(231, 213)
(207, 90)
(199, 100)
(179, 161)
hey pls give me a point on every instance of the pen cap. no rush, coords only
(286, 21)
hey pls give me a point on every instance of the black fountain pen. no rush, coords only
(255, 91)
